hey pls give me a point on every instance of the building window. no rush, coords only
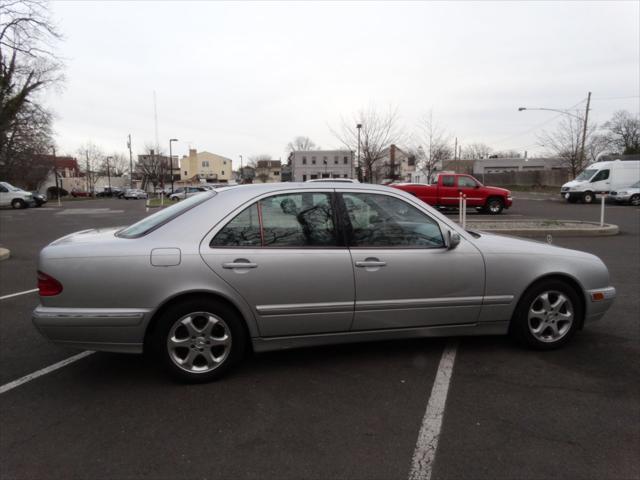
(304, 160)
(222, 173)
(345, 176)
(313, 177)
(224, 162)
(335, 160)
(345, 160)
(275, 173)
(313, 160)
(205, 163)
(185, 172)
(304, 178)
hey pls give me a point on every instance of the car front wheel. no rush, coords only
(494, 206)
(198, 340)
(635, 200)
(588, 197)
(18, 203)
(547, 315)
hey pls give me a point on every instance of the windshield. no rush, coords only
(158, 219)
(10, 187)
(587, 174)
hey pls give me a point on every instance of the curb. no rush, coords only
(593, 230)
(4, 254)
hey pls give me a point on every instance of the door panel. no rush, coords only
(467, 186)
(418, 287)
(282, 255)
(404, 275)
(448, 191)
(292, 291)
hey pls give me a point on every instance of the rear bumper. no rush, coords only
(109, 330)
(596, 308)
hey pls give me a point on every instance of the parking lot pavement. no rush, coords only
(352, 411)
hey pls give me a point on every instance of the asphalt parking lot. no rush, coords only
(352, 411)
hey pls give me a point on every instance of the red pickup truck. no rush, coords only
(446, 193)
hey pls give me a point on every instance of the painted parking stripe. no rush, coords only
(18, 294)
(51, 368)
(424, 454)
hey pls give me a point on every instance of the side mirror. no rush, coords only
(452, 239)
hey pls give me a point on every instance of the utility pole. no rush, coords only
(109, 176)
(455, 155)
(584, 130)
(55, 172)
(130, 162)
(88, 174)
(359, 167)
(241, 171)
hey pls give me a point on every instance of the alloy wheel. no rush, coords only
(199, 342)
(550, 316)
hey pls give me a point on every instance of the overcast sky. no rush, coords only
(245, 78)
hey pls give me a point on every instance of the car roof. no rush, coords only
(260, 188)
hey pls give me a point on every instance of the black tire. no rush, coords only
(18, 203)
(494, 206)
(635, 200)
(229, 324)
(522, 328)
(572, 199)
(588, 197)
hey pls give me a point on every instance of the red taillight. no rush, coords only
(48, 285)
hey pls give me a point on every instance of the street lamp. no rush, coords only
(109, 175)
(171, 140)
(359, 167)
(241, 171)
(565, 112)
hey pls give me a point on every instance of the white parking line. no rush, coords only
(425, 452)
(32, 376)
(18, 294)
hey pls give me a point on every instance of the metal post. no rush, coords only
(584, 130)
(602, 196)
(55, 172)
(460, 208)
(171, 140)
(109, 176)
(464, 212)
(359, 167)
(130, 162)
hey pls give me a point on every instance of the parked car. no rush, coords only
(335, 179)
(110, 192)
(79, 193)
(601, 177)
(275, 266)
(134, 193)
(445, 192)
(39, 198)
(630, 195)
(182, 193)
(14, 196)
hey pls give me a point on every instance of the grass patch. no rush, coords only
(157, 202)
(532, 188)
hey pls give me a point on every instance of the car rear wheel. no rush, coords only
(18, 203)
(547, 315)
(588, 197)
(198, 340)
(494, 206)
(635, 200)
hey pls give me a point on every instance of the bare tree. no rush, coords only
(476, 151)
(302, 144)
(435, 146)
(566, 141)
(118, 164)
(90, 160)
(154, 167)
(27, 66)
(378, 132)
(624, 132)
(253, 161)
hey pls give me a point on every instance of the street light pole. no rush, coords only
(55, 172)
(171, 140)
(241, 171)
(109, 176)
(359, 167)
(130, 162)
(565, 112)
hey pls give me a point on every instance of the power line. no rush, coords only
(616, 98)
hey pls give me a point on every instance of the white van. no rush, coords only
(601, 177)
(14, 196)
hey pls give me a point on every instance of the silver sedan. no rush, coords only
(286, 265)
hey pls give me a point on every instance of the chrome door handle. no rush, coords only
(371, 263)
(237, 264)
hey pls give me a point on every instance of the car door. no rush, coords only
(404, 274)
(284, 255)
(469, 187)
(4, 196)
(448, 191)
(601, 182)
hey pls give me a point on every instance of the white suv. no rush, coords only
(14, 196)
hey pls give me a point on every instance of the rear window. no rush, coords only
(165, 215)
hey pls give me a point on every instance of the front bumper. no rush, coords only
(102, 329)
(598, 302)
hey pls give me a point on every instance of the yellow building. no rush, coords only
(205, 166)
